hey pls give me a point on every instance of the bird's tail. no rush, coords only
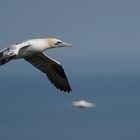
(4, 58)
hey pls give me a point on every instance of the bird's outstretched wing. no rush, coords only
(52, 69)
(5, 56)
(11, 52)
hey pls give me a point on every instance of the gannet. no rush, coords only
(32, 51)
(83, 104)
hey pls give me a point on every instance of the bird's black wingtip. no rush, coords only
(67, 90)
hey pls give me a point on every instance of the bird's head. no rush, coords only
(56, 43)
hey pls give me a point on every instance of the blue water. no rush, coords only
(32, 109)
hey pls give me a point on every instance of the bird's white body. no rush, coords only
(32, 51)
(34, 46)
(38, 45)
(83, 104)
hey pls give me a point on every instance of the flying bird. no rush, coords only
(32, 51)
(83, 104)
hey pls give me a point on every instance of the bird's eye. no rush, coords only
(58, 42)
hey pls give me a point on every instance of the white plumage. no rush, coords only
(32, 51)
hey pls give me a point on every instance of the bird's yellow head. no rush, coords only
(56, 43)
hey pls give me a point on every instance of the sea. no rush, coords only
(32, 109)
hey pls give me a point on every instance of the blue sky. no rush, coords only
(105, 34)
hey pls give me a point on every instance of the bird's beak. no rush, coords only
(64, 44)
